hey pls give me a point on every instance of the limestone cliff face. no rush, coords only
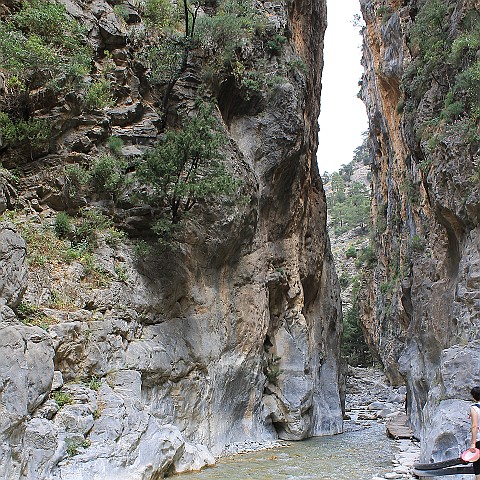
(231, 337)
(420, 304)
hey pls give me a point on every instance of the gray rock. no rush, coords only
(57, 380)
(13, 267)
(26, 374)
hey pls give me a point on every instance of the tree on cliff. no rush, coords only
(184, 170)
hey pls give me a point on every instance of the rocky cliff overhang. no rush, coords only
(150, 361)
(420, 302)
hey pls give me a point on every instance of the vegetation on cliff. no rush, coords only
(48, 64)
(444, 43)
(348, 200)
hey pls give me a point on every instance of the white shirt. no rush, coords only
(477, 409)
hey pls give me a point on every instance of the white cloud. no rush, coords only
(342, 116)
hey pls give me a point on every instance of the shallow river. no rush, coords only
(350, 456)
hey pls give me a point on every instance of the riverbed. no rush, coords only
(356, 455)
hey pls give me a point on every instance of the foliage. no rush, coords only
(384, 12)
(344, 280)
(115, 145)
(354, 347)
(272, 370)
(121, 11)
(445, 53)
(275, 44)
(184, 169)
(40, 41)
(76, 178)
(62, 398)
(87, 228)
(218, 36)
(366, 257)
(98, 95)
(417, 244)
(63, 225)
(94, 383)
(349, 207)
(160, 14)
(108, 174)
(32, 315)
(362, 152)
(351, 252)
(72, 448)
(142, 249)
(31, 133)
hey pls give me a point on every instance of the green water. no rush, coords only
(350, 456)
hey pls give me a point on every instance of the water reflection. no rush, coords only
(352, 456)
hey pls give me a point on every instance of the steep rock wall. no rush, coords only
(230, 339)
(420, 302)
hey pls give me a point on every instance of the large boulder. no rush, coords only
(13, 267)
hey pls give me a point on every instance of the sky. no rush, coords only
(342, 116)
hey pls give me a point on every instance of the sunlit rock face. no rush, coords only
(229, 340)
(420, 304)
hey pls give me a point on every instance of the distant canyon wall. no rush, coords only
(420, 304)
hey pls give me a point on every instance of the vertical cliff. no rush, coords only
(150, 356)
(420, 303)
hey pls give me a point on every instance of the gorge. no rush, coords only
(167, 289)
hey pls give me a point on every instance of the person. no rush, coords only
(474, 416)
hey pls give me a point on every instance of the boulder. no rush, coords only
(13, 266)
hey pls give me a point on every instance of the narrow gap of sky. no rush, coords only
(343, 118)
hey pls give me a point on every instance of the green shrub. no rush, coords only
(26, 309)
(76, 178)
(453, 108)
(115, 144)
(384, 12)
(272, 370)
(160, 14)
(351, 252)
(297, 65)
(72, 448)
(184, 169)
(98, 95)
(88, 227)
(275, 44)
(121, 11)
(62, 398)
(354, 346)
(108, 174)
(142, 249)
(94, 384)
(32, 133)
(63, 225)
(417, 244)
(366, 257)
(344, 280)
(42, 41)
(121, 272)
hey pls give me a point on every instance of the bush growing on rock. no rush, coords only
(98, 95)
(63, 225)
(184, 169)
(32, 133)
(108, 175)
(62, 398)
(41, 42)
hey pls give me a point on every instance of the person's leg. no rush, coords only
(476, 465)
